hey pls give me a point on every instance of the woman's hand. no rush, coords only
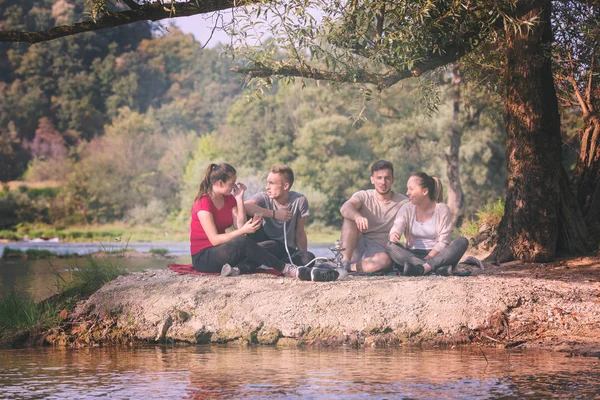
(238, 191)
(251, 226)
(394, 237)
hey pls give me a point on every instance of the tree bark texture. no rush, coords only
(586, 178)
(455, 193)
(573, 237)
(148, 12)
(529, 228)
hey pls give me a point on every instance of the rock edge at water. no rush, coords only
(512, 311)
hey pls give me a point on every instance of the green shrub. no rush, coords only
(39, 253)
(10, 235)
(470, 228)
(153, 214)
(490, 215)
(8, 252)
(162, 252)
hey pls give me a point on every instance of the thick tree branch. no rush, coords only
(149, 12)
(450, 53)
(381, 80)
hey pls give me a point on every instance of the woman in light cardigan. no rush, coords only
(426, 224)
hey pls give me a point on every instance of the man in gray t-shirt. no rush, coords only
(368, 218)
(278, 205)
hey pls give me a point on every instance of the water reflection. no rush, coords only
(266, 372)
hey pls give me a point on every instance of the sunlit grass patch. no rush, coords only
(490, 215)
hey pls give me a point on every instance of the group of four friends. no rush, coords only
(374, 221)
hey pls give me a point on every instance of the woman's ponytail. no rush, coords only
(438, 191)
(214, 173)
(434, 187)
(205, 184)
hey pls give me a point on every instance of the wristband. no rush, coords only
(273, 214)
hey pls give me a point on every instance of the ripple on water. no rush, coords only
(267, 372)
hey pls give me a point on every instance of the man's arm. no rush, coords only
(252, 207)
(351, 210)
(301, 238)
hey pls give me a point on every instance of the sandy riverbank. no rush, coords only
(553, 306)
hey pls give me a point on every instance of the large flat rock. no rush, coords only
(507, 310)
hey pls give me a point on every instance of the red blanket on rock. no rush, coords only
(188, 269)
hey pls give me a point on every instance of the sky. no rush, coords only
(201, 26)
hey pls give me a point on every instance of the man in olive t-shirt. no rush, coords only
(368, 218)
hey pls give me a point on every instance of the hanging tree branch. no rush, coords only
(147, 12)
(449, 52)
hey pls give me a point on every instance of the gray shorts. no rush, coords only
(365, 248)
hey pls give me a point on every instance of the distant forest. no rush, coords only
(123, 122)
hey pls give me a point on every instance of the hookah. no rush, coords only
(337, 252)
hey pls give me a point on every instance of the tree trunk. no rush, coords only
(572, 230)
(586, 178)
(455, 193)
(529, 228)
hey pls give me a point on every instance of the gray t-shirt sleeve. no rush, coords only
(303, 207)
(261, 199)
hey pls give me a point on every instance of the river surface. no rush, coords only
(184, 372)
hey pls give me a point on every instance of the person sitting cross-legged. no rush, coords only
(426, 224)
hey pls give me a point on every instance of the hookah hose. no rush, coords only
(288, 251)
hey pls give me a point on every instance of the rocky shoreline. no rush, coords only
(554, 306)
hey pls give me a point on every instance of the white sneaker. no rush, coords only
(228, 270)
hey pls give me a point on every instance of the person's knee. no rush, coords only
(240, 240)
(462, 243)
(378, 262)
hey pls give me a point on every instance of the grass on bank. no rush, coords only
(19, 312)
(33, 254)
(159, 252)
(21, 316)
(489, 215)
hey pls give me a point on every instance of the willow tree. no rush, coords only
(381, 42)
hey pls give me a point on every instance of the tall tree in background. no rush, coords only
(577, 78)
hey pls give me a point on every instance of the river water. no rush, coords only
(185, 371)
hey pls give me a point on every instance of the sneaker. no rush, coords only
(413, 270)
(228, 270)
(293, 271)
(324, 274)
(444, 270)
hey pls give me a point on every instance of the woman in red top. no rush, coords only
(219, 205)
